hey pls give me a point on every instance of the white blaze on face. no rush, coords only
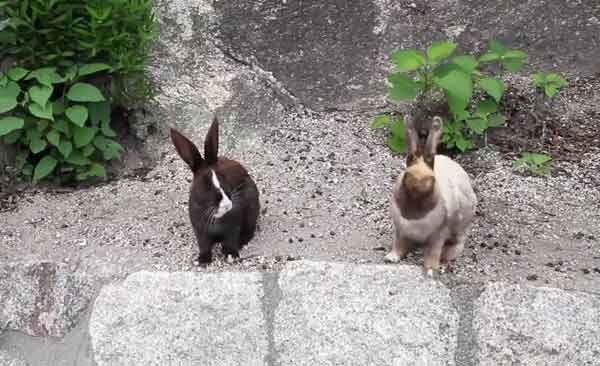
(225, 205)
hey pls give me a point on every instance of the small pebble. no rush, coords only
(585, 271)
(290, 240)
(517, 252)
(532, 277)
(332, 233)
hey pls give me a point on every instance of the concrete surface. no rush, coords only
(321, 313)
(343, 314)
(536, 326)
(42, 298)
(180, 318)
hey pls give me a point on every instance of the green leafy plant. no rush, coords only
(547, 86)
(62, 33)
(397, 139)
(538, 164)
(59, 122)
(550, 84)
(471, 94)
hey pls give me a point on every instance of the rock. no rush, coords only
(536, 326)
(333, 55)
(7, 360)
(188, 318)
(344, 314)
(197, 80)
(42, 298)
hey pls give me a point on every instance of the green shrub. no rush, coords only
(75, 62)
(472, 95)
(61, 33)
(59, 122)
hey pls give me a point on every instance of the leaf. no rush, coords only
(45, 76)
(76, 158)
(53, 137)
(463, 144)
(396, 144)
(439, 51)
(489, 56)
(41, 112)
(44, 167)
(58, 107)
(100, 114)
(10, 124)
(17, 73)
(40, 94)
(477, 125)
(403, 87)
(556, 79)
(88, 150)
(550, 90)
(486, 107)
(398, 128)
(515, 54)
(65, 148)
(97, 170)
(42, 125)
(8, 96)
(378, 122)
(12, 137)
(110, 149)
(78, 114)
(513, 64)
(497, 47)
(83, 136)
(62, 126)
(492, 86)
(89, 69)
(539, 79)
(408, 60)
(37, 144)
(496, 120)
(539, 159)
(84, 92)
(457, 85)
(467, 63)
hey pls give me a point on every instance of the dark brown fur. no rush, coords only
(415, 207)
(237, 227)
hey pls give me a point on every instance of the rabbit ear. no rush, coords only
(187, 150)
(412, 137)
(211, 143)
(435, 134)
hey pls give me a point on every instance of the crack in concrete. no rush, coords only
(464, 297)
(270, 301)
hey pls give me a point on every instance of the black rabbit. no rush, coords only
(224, 201)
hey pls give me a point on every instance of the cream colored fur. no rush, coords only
(450, 218)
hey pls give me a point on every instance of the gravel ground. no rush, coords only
(325, 180)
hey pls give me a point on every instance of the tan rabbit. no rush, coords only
(432, 203)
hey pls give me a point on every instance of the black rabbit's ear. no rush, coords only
(187, 151)
(211, 143)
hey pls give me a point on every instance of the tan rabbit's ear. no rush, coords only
(187, 150)
(412, 137)
(435, 135)
(211, 143)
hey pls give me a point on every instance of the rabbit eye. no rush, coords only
(219, 196)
